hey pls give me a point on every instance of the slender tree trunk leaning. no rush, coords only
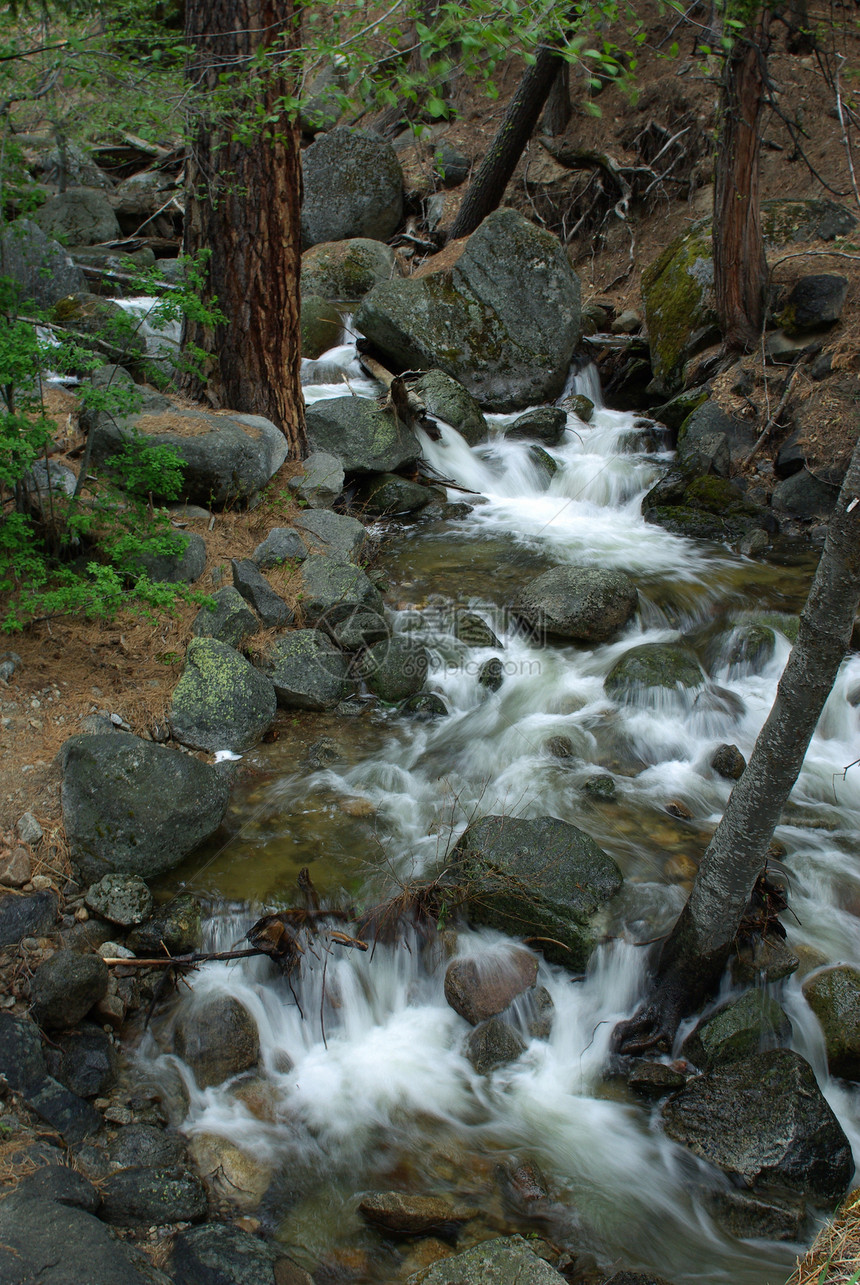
(557, 112)
(488, 186)
(243, 205)
(695, 954)
(740, 268)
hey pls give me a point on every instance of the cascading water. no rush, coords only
(363, 1058)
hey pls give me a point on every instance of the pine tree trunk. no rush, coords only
(696, 951)
(243, 205)
(740, 268)
(488, 186)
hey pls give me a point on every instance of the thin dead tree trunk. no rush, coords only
(695, 954)
(243, 208)
(488, 186)
(740, 268)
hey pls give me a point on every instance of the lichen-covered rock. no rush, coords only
(136, 807)
(123, 899)
(306, 670)
(834, 997)
(335, 590)
(40, 268)
(738, 1029)
(321, 326)
(364, 438)
(679, 302)
(395, 668)
(479, 987)
(585, 603)
(79, 216)
(447, 399)
(567, 875)
(387, 494)
(507, 1260)
(227, 457)
(143, 1197)
(764, 1120)
(217, 1253)
(281, 545)
(544, 424)
(784, 222)
(668, 665)
(500, 312)
(65, 987)
(353, 187)
(231, 620)
(580, 405)
(218, 1038)
(220, 702)
(346, 270)
(177, 926)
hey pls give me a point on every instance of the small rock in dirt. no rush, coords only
(15, 868)
(88, 1064)
(29, 830)
(145, 1145)
(281, 545)
(231, 621)
(122, 899)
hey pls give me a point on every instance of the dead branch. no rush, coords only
(783, 401)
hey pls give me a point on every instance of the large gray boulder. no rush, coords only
(336, 535)
(321, 483)
(332, 591)
(65, 987)
(40, 267)
(231, 620)
(353, 187)
(228, 457)
(346, 270)
(507, 1260)
(543, 879)
(80, 216)
(764, 1120)
(136, 807)
(306, 670)
(500, 312)
(60, 1243)
(222, 1254)
(395, 668)
(447, 399)
(146, 1197)
(585, 603)
(364, 438)
(738, 1029)
(221, 701)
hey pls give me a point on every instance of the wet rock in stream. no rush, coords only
(218, 1038)
(506, 1260)
(480, 987)
(402, 1214)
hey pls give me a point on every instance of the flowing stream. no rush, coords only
(367, 1084)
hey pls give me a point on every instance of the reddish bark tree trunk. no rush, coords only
(243, 205)
(740, 268)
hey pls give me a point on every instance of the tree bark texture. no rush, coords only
(488, 186)
(243, 205)
(695, 954)
(558, 111)
(740, 268)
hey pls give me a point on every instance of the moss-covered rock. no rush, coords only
(739, 1029)
(585, 603)
(332, 591)
(346, 270)
(388, 494)
(680, 308)
(230, 619)
(750, 646)
(542, 879)
(87, 314)
(220, 702)
(395, 669)
(306, 670)
(447, 399)
(581, 406)
(834, 997)
(668, 665)
(321, 325)
(364, 438)
(784, 222)
(500, 313)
